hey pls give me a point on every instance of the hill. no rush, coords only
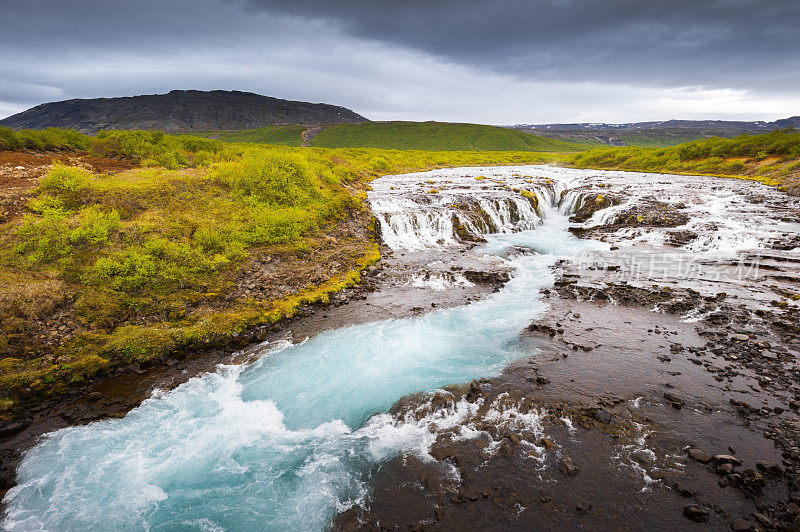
(401, 136)
(654, 134)
(179, 111)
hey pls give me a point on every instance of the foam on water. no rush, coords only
(288, 441)
(438, 282)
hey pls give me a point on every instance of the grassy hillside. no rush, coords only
(434, 136)
(773, 158)
(437, 136)
(279, 135)
(201, 243)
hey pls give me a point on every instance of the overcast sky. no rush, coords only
(497, 62)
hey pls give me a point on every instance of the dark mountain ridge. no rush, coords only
(179, 111)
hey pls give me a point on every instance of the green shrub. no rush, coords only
(44, 139)
(9, 139)
(71, 185)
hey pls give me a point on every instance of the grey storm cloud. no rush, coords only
(495, 61)
(713, 43)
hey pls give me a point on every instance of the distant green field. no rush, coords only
(434, 136)
(439, 136)
(281, 135)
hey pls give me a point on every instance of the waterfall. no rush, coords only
(419, 222)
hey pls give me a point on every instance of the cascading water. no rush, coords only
(414, 220)
(288, 441)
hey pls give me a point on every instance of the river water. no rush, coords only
(286, 442)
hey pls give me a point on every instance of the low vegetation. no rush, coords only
(106, 270)
(280, 135)
(436, 136)
(44, 139)
(772, 158)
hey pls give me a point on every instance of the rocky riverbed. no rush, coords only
(661, 387)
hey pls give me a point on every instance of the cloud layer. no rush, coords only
(499, 61)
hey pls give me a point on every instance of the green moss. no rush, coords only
(532, 198)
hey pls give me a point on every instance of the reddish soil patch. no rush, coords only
(20, 173)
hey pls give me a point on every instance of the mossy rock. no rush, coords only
(100, 308)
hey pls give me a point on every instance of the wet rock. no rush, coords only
(770, 469)
(763, 519)
(642, 456)
(740, 525)
(724, 469)
(566, 466)
(674, 400)
(512, 437)
(727, 459)
(12, 428)
(591, 203)
(683, 490)
(753, 480)
(134, 369)
(506, 448)
(491, 278)
(547, 443)
(695, 513)
(603, 416)
(740, 337)
(700, 456)
(680, 238)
